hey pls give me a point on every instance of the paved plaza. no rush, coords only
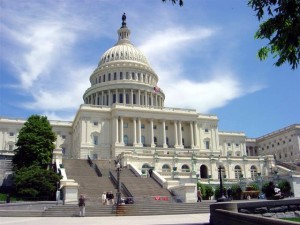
(183, 219)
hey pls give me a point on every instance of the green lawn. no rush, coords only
(297, 219)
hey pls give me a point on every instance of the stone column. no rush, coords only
(121, 131)
(117, 96)
(164, 134)
(139, 132)
(146, 98)
(196, 135)
(102, 97)
(117, 130)
(134, 131)
(152, 134)
(109, 98)
(192, 134)
(139, 98)
(131, 97)
(97, 97)
(180, 134)
(175, 134)
(152, 99)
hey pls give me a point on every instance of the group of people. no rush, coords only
(108, 198)
(273, 192)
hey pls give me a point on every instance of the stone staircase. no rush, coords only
(144, 209)
(90, 183)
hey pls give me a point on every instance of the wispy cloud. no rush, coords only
(169, 53)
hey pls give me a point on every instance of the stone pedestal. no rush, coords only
(70, 191)
(186, 193)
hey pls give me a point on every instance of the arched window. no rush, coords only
(253, 171)
(125, 139)
(237, 172)
(185, 168)
(127, 98)
(203, 172)
(166, 168)
(145, 168)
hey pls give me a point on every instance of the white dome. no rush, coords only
(123, 51)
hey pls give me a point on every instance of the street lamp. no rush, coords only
(222, 198)
(119, 183)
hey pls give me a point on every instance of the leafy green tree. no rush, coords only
(285, 187)
(35, 182)
(209, 191)
(35, 143)
(282, 29)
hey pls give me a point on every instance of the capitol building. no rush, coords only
(124, 118)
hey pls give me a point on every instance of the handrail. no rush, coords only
(125, 190)
(97, 170)
(89, 161)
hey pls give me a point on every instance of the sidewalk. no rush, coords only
(183, 219)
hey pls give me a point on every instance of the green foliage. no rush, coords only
(208, 190)
(281, 29)
(202, 188)
(236, 191)
(35, 143)
(285, 187)
(254, 186)
(264, 187)
(35, 181)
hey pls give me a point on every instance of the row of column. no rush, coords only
(137, 133)
(124, 96)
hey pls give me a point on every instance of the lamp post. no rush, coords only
(119, 184)
(222, 198)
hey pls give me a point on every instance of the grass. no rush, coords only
(296, 219)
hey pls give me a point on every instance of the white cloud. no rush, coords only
(169, 53)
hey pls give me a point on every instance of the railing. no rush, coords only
(97, 170)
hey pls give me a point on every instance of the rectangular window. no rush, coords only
(95, 140)
(154, 127)
(236, 145)
(206, 130)
(167, 127)
(182, 129)
(143, 126)
(115, 75)
(121, 76)
(228, 144)
(206, 144)
(11, 134)
(95, 123)
(10, 147)
(63, 136)
(125, 125)
(108, 77)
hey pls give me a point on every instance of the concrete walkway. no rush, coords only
(183, 219)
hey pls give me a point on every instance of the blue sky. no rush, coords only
(204, 54)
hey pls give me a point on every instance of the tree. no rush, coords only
(282, 29)
(35, 143)
(35, 182)
(175, 2)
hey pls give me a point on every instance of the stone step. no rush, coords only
(130, 210)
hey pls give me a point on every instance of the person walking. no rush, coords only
(199, 195)
(81, 204)
(103, 197)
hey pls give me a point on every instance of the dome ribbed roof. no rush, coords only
(123, 49)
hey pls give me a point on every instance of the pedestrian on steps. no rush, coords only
(103, 197)
(81, 204)
(107, 198)
(199, 195)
